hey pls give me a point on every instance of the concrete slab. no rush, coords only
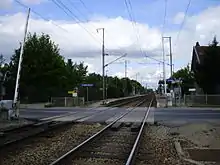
(151, 116)
(58, 116)
(108, 114)
(83, 115)
(100, 115)
(73, 117)
(114, 117)
(134, 116)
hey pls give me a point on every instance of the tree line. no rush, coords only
(46, 73)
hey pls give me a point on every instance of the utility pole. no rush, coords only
(106, 84)
(164, 69)
(171, 58)
(125, 68)
(103, 63)
(15, 107)
(125, 90)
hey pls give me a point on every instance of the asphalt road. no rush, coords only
(106, 114)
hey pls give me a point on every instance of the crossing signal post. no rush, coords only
(15, 100)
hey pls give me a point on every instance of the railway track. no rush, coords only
(117, 143)
(44, 138)
(11, 136)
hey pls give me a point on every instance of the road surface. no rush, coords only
(103, 114)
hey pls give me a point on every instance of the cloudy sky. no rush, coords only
(74, 29)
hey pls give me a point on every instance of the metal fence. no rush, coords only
(201, 100)
(67, 101)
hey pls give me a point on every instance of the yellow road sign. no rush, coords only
(71, 92)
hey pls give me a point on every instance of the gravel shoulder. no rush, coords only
(200, 134)
(44, 149)
(158, 145)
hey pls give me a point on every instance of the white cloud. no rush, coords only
(5, 4)
(77, 44)
(179, 18)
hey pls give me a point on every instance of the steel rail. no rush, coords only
(57, 161)
(43, 126)
(107, 109)
(134, 149)
(38, 130)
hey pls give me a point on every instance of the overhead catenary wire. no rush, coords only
(47, 19)
(64, 8)
(70, 14)
(127, 4)
(81, 13)
(133, 21)
(84, 5)
(132, 18)
(44, 18)
(183, 22)
(41, 16)
(74, 17)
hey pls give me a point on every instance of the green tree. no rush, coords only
(76, 74)
(43, 70)
(186, 75)
(45, 74)
(2, 60)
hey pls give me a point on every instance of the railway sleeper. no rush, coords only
(103, 155)
(85, 161)
(120, 133)
(113, 148)
(115, 140)
(111, 144)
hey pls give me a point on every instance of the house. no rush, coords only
(198, 55)
(197, 59)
